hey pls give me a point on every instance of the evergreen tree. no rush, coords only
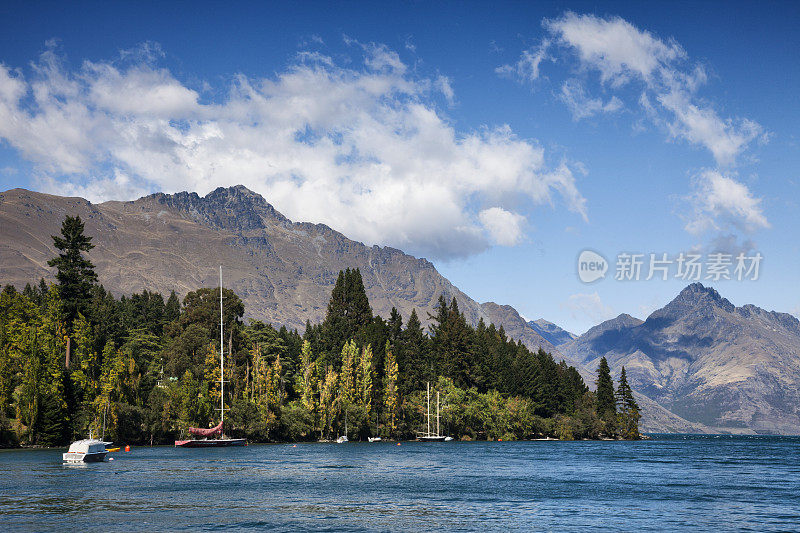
(453, 343)
(628, 409)
(75, 273)
(172, 309)
(606, 403)
(413, 357)
(395, 325)
(348, 312)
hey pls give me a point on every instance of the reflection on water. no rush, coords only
(667, 483)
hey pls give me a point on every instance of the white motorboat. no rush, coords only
(86, 451)
(374, 439)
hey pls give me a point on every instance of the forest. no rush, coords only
(144, 368)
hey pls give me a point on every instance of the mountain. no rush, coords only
(283, 270)
(552, 333)
(707, 361)
(700, 360)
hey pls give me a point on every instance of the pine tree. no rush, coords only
(395, 325)
(606, 404)
(348, 312)
(628, 409)
(75, 273)
(172, 309)
(413, 357)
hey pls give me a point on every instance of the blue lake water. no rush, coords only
(668, 483)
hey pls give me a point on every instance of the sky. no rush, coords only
(500, 141)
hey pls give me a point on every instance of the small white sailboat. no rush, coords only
(343, 438)
(376, 438)
(428, 436)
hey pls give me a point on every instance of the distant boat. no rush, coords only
(343, 438)
(207, 439)
(376, 438)
(86, 451)
(427, 436)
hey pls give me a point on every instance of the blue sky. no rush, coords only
(499, 141)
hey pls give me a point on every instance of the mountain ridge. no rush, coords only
(707, 360)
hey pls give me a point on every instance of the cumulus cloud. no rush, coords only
(624, 55)
(363, 148)
(588, 306)
(720, 203)
(504, 227)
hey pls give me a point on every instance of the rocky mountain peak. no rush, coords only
(234, 208)
(695, 299)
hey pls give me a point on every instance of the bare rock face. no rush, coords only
(706, 360)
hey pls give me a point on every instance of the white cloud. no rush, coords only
(527, 67)
(362, 148)
(719, 202)
(614, 46)
(622, 55)
(584, 306)
(504, 227)
(444, 85)
(582, 106)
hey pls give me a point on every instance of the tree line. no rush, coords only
(74, 358)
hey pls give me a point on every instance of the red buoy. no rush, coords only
(127, 447)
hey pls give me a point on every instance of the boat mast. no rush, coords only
(428, 433)
(221, 357)
(437, 414)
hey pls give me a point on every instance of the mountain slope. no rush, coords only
(707, 360)
(552, 333)
(284, 271)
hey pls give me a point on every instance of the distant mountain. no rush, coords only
(516, 327)
(707, 360)
(552, 333)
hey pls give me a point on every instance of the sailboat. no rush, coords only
(343, 438)
(427, 436)
(377, 437)
(214, 437)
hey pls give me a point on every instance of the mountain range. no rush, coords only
(699, 364)
(706, 360)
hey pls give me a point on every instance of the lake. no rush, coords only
(670, 482)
